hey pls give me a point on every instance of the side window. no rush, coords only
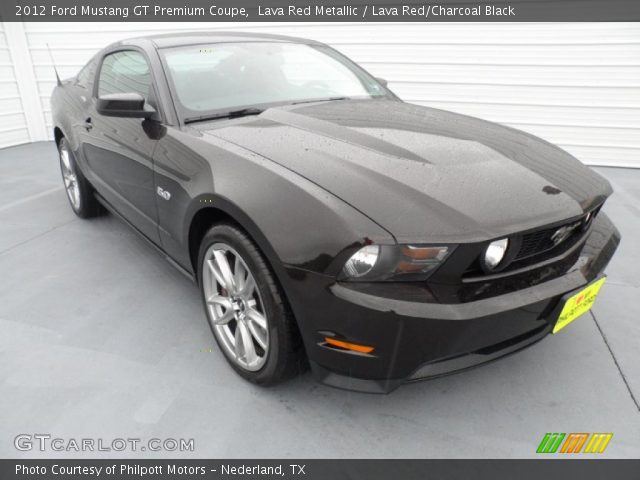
(125, 72)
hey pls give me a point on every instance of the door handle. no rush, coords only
(87, 124)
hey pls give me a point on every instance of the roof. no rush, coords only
(179, 39)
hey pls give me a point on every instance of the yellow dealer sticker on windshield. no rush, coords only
(578, 304)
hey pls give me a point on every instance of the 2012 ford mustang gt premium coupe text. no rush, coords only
(325, 220)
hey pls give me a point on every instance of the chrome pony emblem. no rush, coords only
(563, 233)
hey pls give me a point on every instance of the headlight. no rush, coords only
(362, 262)
(495, 252)
(393, 262)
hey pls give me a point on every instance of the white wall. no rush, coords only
(574, 84)
(13, 124)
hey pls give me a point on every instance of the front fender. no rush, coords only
(294, 221)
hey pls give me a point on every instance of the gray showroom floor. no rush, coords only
(100, 337)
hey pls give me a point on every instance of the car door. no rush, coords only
(119, 151)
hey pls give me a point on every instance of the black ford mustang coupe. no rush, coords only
(324, 219)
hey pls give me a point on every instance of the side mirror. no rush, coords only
(130, 105)
(382, 81)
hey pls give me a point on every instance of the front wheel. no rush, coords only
(79, 191)
(246, 311)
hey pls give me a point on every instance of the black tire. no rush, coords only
(87, 205)
(285, 356)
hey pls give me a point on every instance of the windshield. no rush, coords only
(226, 76)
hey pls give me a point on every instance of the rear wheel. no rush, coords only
(245, 308)
(79, 191)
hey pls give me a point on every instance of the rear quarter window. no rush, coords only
(84, 78)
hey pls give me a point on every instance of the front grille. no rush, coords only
(533, 248)
(477, 287)
(541, 241)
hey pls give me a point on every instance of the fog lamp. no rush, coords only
(495, 252)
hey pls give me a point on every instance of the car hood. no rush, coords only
(425, 175)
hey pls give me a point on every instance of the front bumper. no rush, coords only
(416, 337)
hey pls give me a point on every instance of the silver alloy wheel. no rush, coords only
(234, 307)
(70, 178)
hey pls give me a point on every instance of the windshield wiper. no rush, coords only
(330, 99)
(243, 112)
